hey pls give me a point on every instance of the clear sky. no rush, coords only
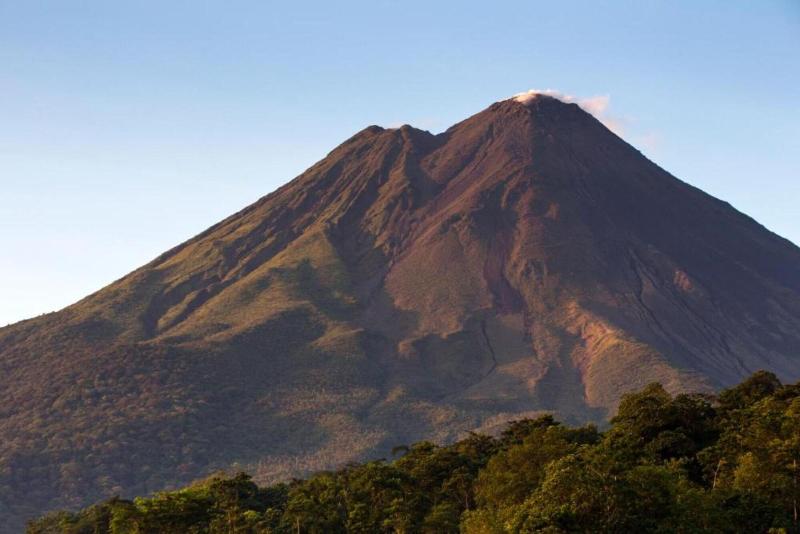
(126, 127)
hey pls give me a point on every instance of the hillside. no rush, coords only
(408, 286)
(689, 463)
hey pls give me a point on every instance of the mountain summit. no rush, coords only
(407, 286)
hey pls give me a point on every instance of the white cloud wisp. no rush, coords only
(596, 105)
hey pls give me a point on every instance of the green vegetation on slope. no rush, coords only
(689, 463)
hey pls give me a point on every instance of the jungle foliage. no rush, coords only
(685, 463)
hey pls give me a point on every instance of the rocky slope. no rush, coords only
(407, 286)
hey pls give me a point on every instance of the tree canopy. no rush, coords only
(682, 463)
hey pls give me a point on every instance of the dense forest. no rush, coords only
(684, 463)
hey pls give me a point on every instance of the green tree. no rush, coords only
(316, 506)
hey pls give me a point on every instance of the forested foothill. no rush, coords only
(683, 463)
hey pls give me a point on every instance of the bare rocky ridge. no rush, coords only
(407, 286)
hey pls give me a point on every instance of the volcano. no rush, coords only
(408, 286)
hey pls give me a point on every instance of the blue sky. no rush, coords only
(128, 127)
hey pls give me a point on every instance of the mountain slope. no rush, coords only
(407, 286)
